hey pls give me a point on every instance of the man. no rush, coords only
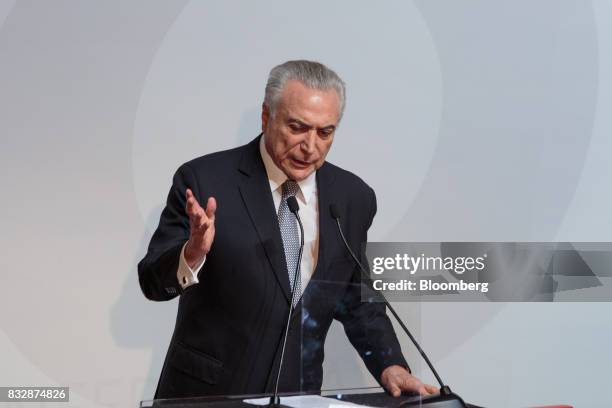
(227, 243)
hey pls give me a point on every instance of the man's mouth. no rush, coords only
(300, 164)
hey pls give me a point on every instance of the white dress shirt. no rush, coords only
(309, 214)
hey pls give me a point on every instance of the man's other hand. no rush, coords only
(202, 228)
(396, 379)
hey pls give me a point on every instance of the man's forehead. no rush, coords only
(318, 119)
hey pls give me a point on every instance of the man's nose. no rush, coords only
(308, 144)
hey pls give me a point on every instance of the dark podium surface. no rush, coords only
(372, 397)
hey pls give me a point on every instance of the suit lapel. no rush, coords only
(257, 198)
(325, 179)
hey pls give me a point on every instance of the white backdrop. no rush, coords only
(473, 120)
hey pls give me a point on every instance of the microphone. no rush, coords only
(446, 398)
(294, 208)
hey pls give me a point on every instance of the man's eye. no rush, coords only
(326, 132)
(297, 128)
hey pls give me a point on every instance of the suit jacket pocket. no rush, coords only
(196, 363)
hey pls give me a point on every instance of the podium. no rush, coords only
(301, 369)
(370, 397)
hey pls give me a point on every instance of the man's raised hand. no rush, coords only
(202, 228)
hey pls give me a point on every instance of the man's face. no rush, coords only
(301, 132)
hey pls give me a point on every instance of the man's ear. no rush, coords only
(265, 117)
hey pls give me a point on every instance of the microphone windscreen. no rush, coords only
(293, 204)
(333, 209)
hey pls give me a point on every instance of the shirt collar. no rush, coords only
(276, 177)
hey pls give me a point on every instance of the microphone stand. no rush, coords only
(294, 208)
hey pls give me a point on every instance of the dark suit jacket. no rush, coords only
(229, 326)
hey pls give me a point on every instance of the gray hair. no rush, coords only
(311, 73)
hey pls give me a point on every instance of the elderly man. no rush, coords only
(226, 242)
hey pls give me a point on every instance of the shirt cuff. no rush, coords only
(185, 275)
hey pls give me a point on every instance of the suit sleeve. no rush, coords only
(157, 271)
(366, 322)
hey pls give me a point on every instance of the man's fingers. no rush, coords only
(192, 206)
(412, 384)
(432, 389)
(211, 207)
(397, 379)
(422, 390)
(426, 389)
(195, 212)
(199, 218)
(394, 390)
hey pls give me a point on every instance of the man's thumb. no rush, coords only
(211, 207)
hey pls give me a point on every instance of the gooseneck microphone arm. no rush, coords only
(336, 216)
(294, 208)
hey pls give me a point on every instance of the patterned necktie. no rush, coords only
(291, 238)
